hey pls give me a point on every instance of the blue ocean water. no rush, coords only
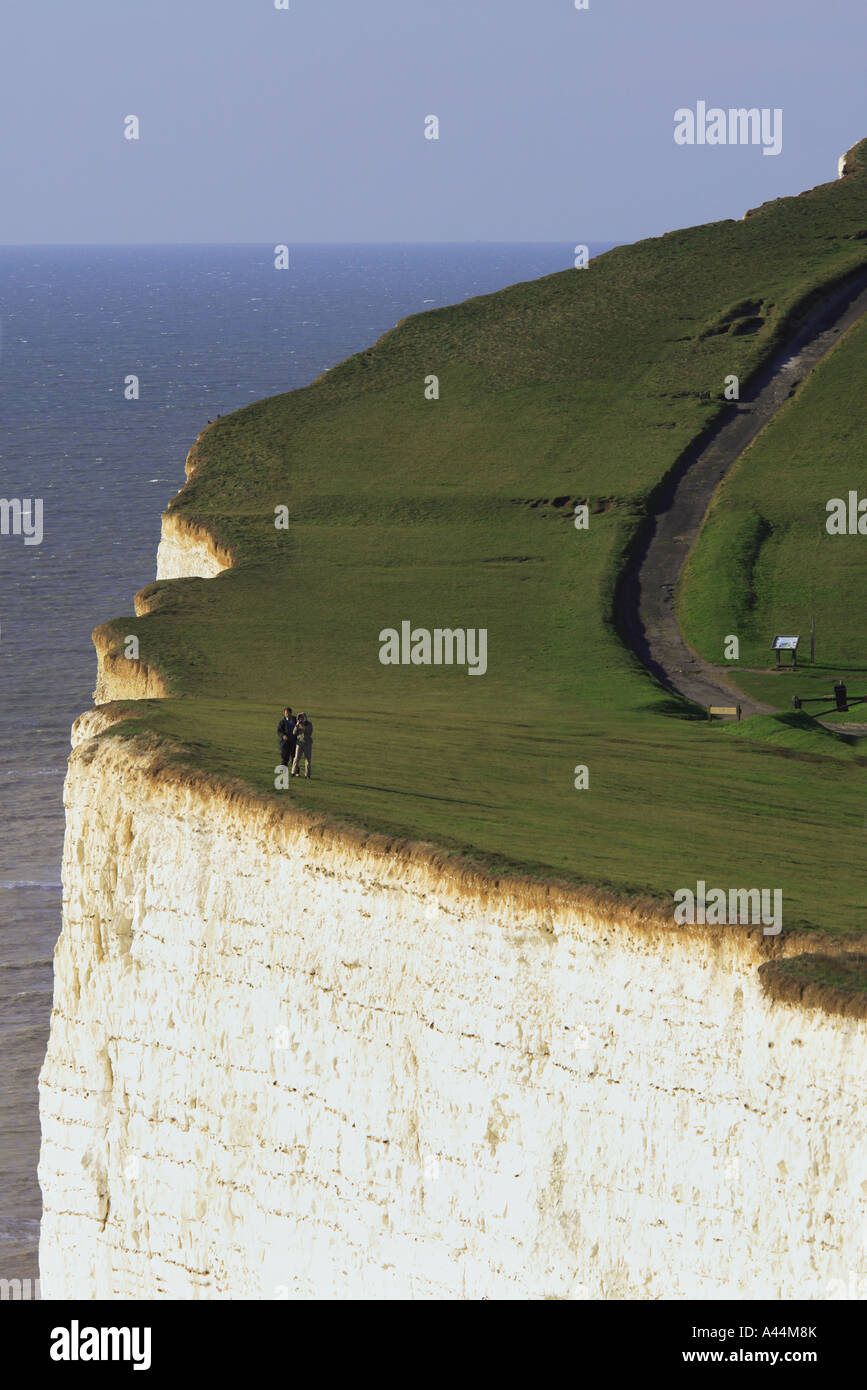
(206, 329)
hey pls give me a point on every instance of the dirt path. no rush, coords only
(646, 595)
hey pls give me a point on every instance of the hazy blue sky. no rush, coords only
(308, 124)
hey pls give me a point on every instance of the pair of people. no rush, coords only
(295, 741)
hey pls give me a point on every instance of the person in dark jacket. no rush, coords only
(286, 737)
(303, 745)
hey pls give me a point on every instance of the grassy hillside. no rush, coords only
(765, 562)
(457, 512)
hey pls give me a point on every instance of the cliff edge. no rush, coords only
(284, 1064)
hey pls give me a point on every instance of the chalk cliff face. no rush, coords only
(285, 1063)
(187, 552)
(119, 678)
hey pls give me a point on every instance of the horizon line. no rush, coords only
(122, 245)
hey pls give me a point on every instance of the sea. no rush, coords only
(205, 329)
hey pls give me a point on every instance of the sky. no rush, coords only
(307, 124)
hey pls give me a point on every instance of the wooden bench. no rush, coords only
(733, 710)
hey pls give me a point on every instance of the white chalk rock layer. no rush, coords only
(282, 1065)
(187, 552)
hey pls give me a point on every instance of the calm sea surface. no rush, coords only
(206, 329)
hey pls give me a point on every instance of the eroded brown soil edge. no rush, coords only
(546, 905)
(790, 982)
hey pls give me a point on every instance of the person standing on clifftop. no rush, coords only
(286, 737)
(303, 745)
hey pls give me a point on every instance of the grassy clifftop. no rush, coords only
(765, 561)
(458, 513)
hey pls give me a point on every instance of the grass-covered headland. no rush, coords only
(458, 512)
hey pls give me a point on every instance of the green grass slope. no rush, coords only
(458, 513)
(765, 562)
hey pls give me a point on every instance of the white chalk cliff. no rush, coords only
(286, 1062)
(185, 553)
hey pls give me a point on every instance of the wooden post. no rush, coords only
(812, 640)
